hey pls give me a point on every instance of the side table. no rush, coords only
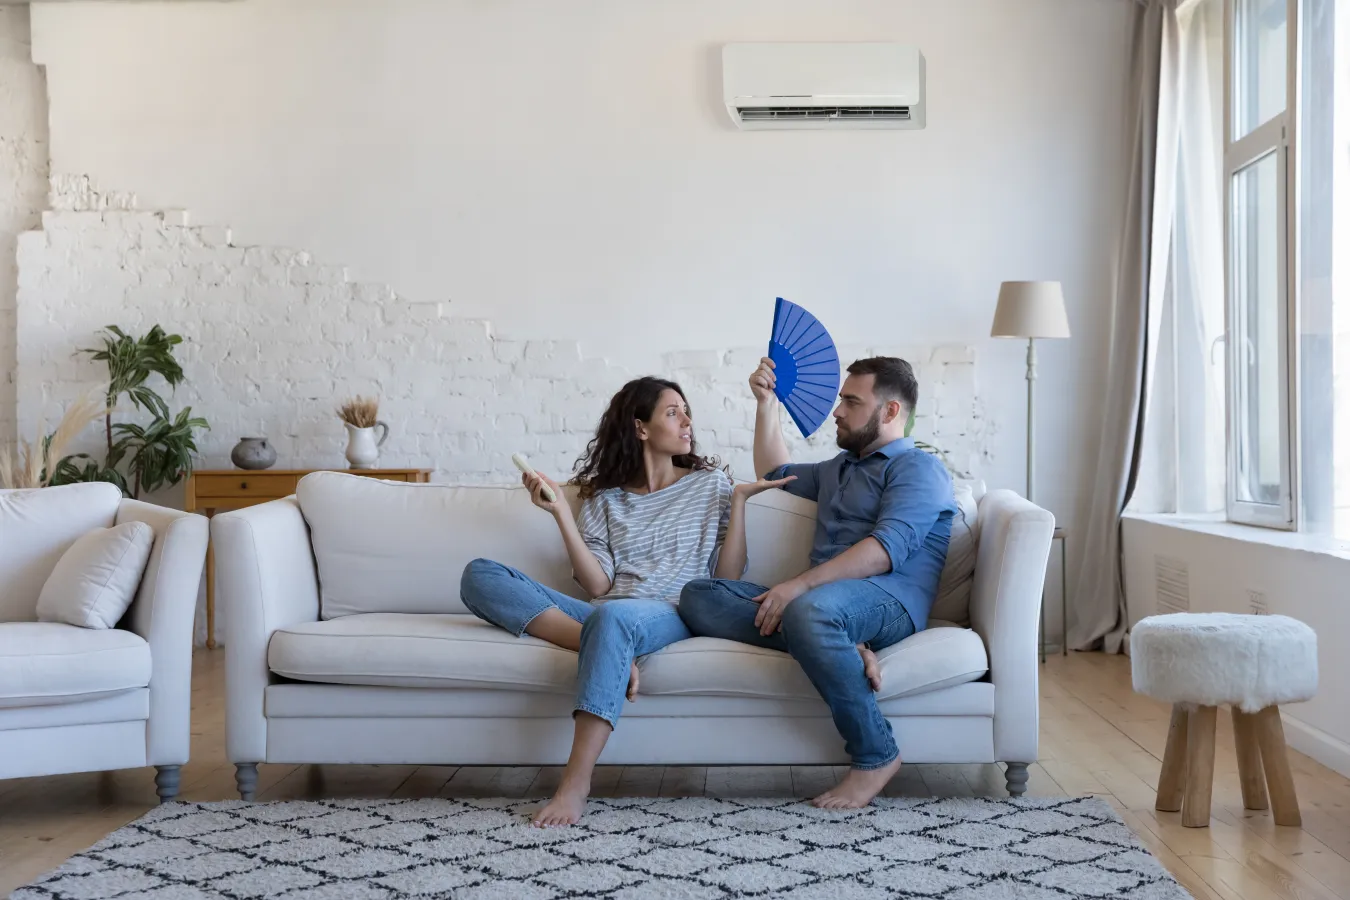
(210, 490)
(1063, 596)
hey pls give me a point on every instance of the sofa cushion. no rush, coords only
(37, 527)
(958, 572)
(779, 529)
(462, 651)
(95, 581)
(50, 662)
(932, 659)
(419, 650)
(395, 547)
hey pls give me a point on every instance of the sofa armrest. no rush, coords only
(162, 614)
(265, 580)
(1005, 609)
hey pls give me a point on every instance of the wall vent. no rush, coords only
(1173, 585)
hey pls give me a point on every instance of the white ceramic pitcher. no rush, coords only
(363, 450)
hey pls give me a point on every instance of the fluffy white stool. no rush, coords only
(1201, 661)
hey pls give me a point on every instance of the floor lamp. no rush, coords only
(1030, 310)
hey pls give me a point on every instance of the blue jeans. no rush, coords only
(613, 633)
(822, 630)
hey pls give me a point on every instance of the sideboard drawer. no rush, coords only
(246, 484)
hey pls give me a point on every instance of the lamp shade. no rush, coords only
(1030, 309)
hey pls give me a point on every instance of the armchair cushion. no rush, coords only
(95, 581)
(38, 526)
(43, 663)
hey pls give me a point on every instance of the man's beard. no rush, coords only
(856, 441)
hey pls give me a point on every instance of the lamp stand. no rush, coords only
(1031, 418)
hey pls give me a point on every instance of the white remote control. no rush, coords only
(523, 465)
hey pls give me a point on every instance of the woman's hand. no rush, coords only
(746, 491)
(535, 484)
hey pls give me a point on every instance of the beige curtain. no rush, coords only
(1097, 616)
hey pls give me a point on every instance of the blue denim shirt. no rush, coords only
(898, 494)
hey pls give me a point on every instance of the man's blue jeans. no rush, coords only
(613, 633)
(822, 630)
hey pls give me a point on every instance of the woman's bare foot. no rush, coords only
(566, 806)
(633, 682)
(871, 668)
(858, 787)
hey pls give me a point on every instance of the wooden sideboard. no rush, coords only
(211, 490)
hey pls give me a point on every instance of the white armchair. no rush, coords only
(85, 699)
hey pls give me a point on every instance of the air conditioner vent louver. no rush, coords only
(800, 113)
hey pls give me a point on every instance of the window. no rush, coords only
(1259, 236)
(1249, 415)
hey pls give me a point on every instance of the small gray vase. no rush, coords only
(253, 453)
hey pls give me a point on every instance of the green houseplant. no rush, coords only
(139, 457)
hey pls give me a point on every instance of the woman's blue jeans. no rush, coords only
(613, 633)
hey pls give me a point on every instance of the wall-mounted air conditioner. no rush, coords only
(806, 85)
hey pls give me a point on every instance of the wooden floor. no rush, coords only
(1097, 737)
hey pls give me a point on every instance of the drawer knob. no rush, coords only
(243, 485)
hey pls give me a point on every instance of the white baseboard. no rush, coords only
(1316, 743)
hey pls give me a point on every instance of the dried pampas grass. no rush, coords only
(31, 465)
(360, 412)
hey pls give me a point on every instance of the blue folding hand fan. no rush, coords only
(806, 366)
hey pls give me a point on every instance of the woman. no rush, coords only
(655, 515)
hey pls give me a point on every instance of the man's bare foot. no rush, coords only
(633, 682)
(858, 787)
(565, 808)
(871, 668)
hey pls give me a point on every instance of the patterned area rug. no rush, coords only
(627, 849)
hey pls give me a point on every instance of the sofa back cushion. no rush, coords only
(958, 573)
(36, 528)
(393, 547)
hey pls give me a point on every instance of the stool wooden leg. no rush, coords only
(1199, 766)
(1270, 736)
(1249, 760)
(1173, 777)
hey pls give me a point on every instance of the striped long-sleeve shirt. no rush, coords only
(651, 545)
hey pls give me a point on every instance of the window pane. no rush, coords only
(1260, 58)
(1256, 236)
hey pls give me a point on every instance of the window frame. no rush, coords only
(1278, 135)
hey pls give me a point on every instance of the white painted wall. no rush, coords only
(568, 171)
(23, 182)
(1305, 578)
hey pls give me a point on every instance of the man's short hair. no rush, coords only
(893, 378)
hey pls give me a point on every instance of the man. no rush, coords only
(882, 525)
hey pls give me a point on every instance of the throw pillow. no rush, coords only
(95, 580)
(958, 573)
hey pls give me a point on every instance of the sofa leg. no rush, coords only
(1017, 779)
(246, 777)
(166, 782)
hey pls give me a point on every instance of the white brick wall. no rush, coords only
(274, 339)
(23, 181)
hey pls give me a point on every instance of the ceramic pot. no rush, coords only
(253, 453)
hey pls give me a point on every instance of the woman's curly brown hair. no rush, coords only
(613, 458)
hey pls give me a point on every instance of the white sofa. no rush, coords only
(89, 699)
(346, 642)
